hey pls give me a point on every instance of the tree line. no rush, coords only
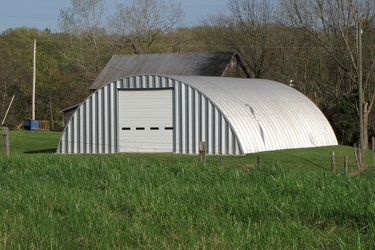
(310, 45)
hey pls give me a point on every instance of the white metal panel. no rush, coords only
(146, 120)
(287, 118)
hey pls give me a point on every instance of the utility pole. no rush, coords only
(34, 77)
(360, 94)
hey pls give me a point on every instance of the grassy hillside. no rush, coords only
(142, 201)
(33, 142)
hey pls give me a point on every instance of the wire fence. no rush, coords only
(34, 141)
(43, 142)
(30, 142)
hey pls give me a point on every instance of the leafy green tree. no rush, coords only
(16, 71)
(57, 84)
(333, 25)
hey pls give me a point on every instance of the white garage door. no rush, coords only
(146, 120)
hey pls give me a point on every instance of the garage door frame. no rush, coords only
(146, 120)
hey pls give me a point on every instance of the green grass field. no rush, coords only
(168, 201)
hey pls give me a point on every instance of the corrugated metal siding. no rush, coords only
(195, 122)
(232, 115)
(94, 126)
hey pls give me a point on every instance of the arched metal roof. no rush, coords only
(233, 115)
(265, 115)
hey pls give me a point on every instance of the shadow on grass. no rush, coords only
(42, 151)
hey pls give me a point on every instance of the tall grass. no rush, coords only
(142, 201)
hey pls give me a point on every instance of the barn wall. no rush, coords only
(94, 126)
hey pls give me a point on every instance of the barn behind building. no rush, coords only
(221, 63)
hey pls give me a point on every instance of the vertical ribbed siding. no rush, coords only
(98, 122)
(199, 120)
(192, 123)
(196, 128)
(94, 126)
(180, 117)
(113, 119)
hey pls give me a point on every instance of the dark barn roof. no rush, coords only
(197, 63)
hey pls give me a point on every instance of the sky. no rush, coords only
(43, 14)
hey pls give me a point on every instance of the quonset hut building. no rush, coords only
(173, 113)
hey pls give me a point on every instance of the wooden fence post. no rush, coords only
(358, 157)
(346, 165)
(202, 151)
(6, 148)
(258, 161)
(333, 161)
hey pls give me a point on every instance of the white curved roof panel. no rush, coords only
(265, 115)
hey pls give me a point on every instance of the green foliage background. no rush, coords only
(320, 61)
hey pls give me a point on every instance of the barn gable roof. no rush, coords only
(194, 63)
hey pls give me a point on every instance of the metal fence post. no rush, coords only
(202, 151)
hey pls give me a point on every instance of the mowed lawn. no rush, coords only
(291, 200)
